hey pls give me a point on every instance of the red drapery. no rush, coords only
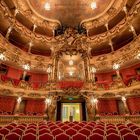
(14, 73)
(134, 105)
(7, 104)
(37, 80)
(69, 84)
(35, 106)
(107, 106)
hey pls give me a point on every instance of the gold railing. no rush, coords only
(21, 119)
(119, 119)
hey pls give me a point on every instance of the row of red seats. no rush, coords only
(70, 131)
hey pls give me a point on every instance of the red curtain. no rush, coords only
(7, 104)
(39, 78)
(14, 73)
(69, 84)
(104, 79)
(35, 106)
(107, 106)
(134, 105)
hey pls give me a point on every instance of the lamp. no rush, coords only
(2, 57)
(26, 67)
(93, 5)
(116, 66)
(47, 6)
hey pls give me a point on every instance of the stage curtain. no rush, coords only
(14, 73)
(7, 104)
(107, 106)
(134, 105)
(35, 106)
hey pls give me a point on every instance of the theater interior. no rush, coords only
(69, 69)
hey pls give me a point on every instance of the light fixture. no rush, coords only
(93, 5)
(132, 28)
(19, 99)
(123, 98)
(2, 57)
(93, 69)
(116, 66)
(47, 6)
(71, 73)
(48, 101)
(138, 56)
(26, 66)
(71, 62)
(94, 100)
(49, 69)
(125, 9)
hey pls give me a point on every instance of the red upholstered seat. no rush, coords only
(71, 124)
(17, 131)
(111, 131)
(89, 127)
(33, 131)
(96, 136)
(79, 136)
(62, 136)
(129, 136)
(100, 127)
(1, 137)
(137, 131)
(113, 136)
(122, 127)
(98, 131)
(12, 136)
(44, 130)
(81, 124)
(125, 131)
(43, 127)
(60, 124)
(111, 126)
(29, 136)
(133, 127)
(65, 127)
(71, 132)
(53, 127)
(130, 124)
(4, 131)
(46, 136)
(85, 132)
(77, 127)
(31, 127)
(21, 127)
(57, 131)
(10, 127)
(13, 124)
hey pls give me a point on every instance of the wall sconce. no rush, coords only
(123, 99)
(19, 100)
(2, 57)
(94, 100)
(26, 67)
(48, 101)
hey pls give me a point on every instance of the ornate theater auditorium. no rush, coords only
(69, 69)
